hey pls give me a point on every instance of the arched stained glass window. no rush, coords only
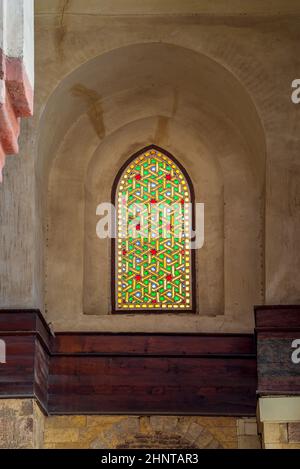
(153, 261)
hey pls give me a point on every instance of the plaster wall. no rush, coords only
(212, 89)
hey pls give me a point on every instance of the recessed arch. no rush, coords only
(194, 118)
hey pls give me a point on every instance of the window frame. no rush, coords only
(114, 310)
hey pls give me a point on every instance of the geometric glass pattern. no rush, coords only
(153, 258)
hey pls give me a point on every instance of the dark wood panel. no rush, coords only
(22, 320)
(27, 339)
(41, 373)
(17, 374)
(209, 374)
(276, 329)
(277, 317)
(157, 384)
(154, 344)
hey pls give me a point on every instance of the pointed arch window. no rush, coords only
(153, 263)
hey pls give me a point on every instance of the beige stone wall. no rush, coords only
(149, 432)
(278, 435)
(247, 434)
(21, 424)
(279, 421)
(150, 93)
(215, 90)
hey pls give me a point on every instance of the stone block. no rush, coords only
(294, 432)
(249, 442)
(194, 431)
(251, 427)
(275, 433)
(61, 435)
(72, 421)
(21, 424)
(170, 423)
(157, 422)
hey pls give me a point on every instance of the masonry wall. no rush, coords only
(279, 421)
(21, 424)
(120, 432)
(222, 106)
(278, 435)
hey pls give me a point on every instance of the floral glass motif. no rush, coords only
(153, 269)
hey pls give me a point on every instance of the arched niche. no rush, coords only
(197, 110)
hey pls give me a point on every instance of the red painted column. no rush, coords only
(16, 72)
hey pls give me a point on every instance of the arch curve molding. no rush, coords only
(156, 432)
